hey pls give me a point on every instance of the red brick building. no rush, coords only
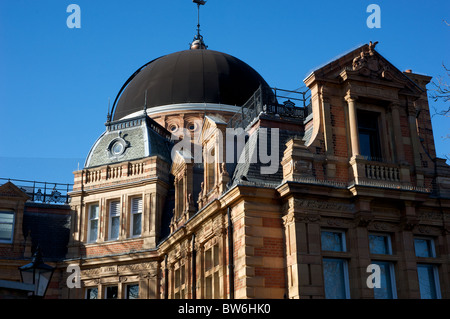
(329, 183)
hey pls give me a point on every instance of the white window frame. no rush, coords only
(90, 220)
(9, 241)
(343, 238)
(133, 213)
(389, 243)
(111, 218)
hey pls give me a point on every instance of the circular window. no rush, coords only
(191, 127)
(117, 148)
(173, 128)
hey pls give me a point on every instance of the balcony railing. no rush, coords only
(274, 101)
(42, 192)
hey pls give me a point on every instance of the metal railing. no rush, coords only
(275, 101)
(42, 192)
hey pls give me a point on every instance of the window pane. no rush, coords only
(6, 217)
(6, 231)
(216, 285)
(334, 278)
(93, 231)
(386, 286)
(133, 291)
(114, 208)
(364, 144)
(136, 205)
(6, 225)
(332, 241)
(92, 293)
(208, 288)
(208, 260)
(115, 227)
(94, 212)
(369, 139)
(177, 278)
(137, 224)
(183, 274)
(216, 255)
(379, 244)
(111, 292)
(423, 247)
(427, 283)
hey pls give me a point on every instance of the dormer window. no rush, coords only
(6, 226)
(369, 136)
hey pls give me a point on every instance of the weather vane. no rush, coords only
(198, 39)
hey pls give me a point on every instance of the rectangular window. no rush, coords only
(428, 281)
(333, 241)
(114, 220)
(111, 292)
(132, 291)
(212, 268)
(6, 226)
(136, 217)
(92, 293)
(424, 247)
(335, 273)
(387, 288)
(380, 244)
(93, 223)
(369, 137)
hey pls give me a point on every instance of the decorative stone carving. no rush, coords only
(363, 219)
(382, 226)
(338, 222)
(408, 223)
(369, 64)
(312, 204)
(307, 218)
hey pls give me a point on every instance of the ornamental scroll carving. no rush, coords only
(370, 65)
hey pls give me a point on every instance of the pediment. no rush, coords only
(11, 190)
(365, 64)
(180, 159)
(210, 124)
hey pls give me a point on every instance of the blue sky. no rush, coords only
(55, 82)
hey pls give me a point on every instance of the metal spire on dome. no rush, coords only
(108, 116)
(198, 43)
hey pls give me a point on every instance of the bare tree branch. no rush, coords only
(441, 92)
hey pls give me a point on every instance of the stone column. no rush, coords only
(353, 123)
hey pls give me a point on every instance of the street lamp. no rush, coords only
(38, 274)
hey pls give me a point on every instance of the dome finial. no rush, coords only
(198, 43)
(108, 116)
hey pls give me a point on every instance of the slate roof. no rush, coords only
(245, 171)
(50, 228)
(144, 138)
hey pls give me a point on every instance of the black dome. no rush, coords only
(191, 76)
